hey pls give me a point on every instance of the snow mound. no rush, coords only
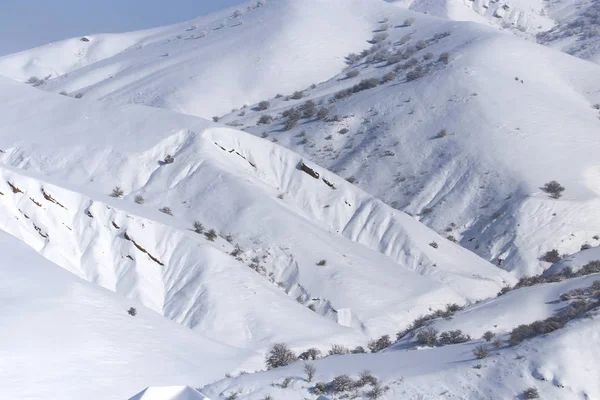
(169, 393)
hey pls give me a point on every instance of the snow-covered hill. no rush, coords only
(559, 365)
(510, 126)
(65, 338)
(335, 199)
(379, 268)
(466, 145)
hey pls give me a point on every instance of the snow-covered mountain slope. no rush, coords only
(575, 261)
(379, 269)
(522, 17)
(249, 53)
(559, 365)
(505, 138)
(466, 145)
(65, 338)
(576, 30)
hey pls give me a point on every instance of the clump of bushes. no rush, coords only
(453, 337)
(263, 105)
(310, 354)
(423, 320)
(574, 310)
(279, 355)
(166, 210)
(265, 119)
(379, 344)
(297, 95)
(551, 256)
(427, 337)
(139, 199)
(337, 349)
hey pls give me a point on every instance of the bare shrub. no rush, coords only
(379, 344)
(310, 370)
(139, 199)
(166, 210)
(337, 349)
(427, 337)
(481, 352)
(117, 192)
(279, 355)
(265, 119)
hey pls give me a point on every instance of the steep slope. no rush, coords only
(378, 272)
(64, 337)
(463, 133)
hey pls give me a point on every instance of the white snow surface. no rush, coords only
(63, 337)
(169, 393)
(306, 261)
(380, 272)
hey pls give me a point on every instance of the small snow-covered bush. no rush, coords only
(139, 199)
(166, 210)
(211, 235)
(169, 159)
(263, 105)
(279, 355)
(337, 349)
(353, 73)
(322, 263)
(310, 354)
(298, 95)
(198, 227)
(427, 337)
(551, 256)
(117, 192)
(341, 383)
(488, 336)
(481, 352)
(132, 311)
(265, 119)
(531, 393)
(366, 378)
(453, 337)
(379, 344)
